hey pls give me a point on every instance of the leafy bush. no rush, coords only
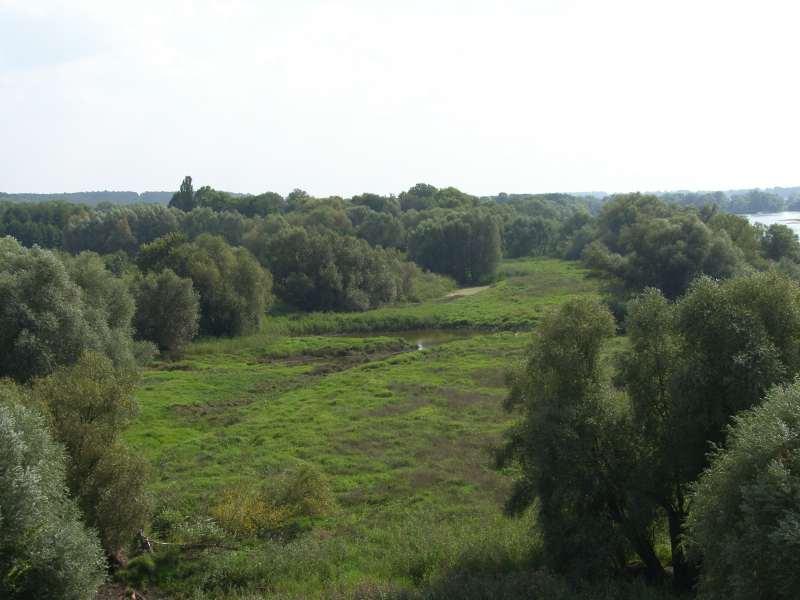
(167, 310)
(251, 511)
(323, 270)
(304, 492)
(570, 444)
(640, 241)
(89, 405)
(745, 515)
(465, 246)
(51, 312)
(234, 290)
(247, 512)
(45, 550)
(119, 229)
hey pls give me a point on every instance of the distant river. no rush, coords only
(789, 218)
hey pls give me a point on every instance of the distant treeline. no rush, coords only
(370, 250)
(740, 201)
(92, 198)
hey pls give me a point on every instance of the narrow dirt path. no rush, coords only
(467, 291)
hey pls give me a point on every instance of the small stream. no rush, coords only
(428, 338)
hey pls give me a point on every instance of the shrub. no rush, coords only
(234, 290)
(167, 310)
(465, 246)
(745, 516)
(304, 492)
(51, 312)
(89, 405)
(300, 493)
(45, 550)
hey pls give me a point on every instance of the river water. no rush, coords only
(789, 218)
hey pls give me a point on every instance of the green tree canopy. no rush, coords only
(641, 242)
(572, 447)
(320, 270)
(45, 549)
(51, 312)
(745, 515)
(781, 242)
(465, 246)
(167, 310)
(610, 454)
(184, 198)
(234, 289)
(89, 405)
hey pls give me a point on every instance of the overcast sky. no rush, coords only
(342, 97)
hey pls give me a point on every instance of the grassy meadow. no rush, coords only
(525, 288)
(402, 439)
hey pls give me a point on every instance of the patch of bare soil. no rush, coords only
(116, 591)
(471, 291)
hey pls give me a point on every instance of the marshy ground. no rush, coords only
(403, 436)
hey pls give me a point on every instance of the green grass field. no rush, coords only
(403, 436)
(526, 288)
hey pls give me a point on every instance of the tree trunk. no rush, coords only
(654, 570)
(684, 572)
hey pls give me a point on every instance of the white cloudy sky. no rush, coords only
(346, 96)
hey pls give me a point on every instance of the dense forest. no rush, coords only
(736, 201)
(650, 444)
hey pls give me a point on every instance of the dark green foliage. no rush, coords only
(322, 215)
(37, 224)
(465, 246)
(754, 201)
(529, 236)
(780, 242)
(698, 199)
(234, 290)
(745, 513)
(156, 254)
(643, 242)
(108, 304)
(419, 197)
(228, 224)
(692, 366)
(296, 199)
(381, 229)
(167, 310)
(567, 442)
(746, 237)
(736, 201)
(184, 198)
(424, 197)
(381, 204)
(320, 270)
(268, 203)
(607, 469)
(89, 405)
(45, 550)
(52, 313)
(42, 323)
(118, 229)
